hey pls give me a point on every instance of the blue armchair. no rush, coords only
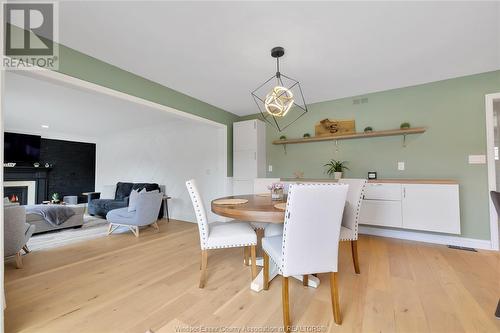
(148, 206)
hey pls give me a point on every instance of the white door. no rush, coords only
(245, 135)
(431, 207)
(493, 144)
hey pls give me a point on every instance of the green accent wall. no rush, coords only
(452, 110)
(84, 67)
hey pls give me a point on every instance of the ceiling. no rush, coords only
(72, 113)
(220, 51)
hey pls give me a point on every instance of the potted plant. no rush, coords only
(55, 198)
(368, 129)
(306, 135)
(404, 126)
(336, 168)
(282, 137)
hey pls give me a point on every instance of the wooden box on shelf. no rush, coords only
(328, 127)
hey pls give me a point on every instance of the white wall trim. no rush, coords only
(67, 80)
(490, 144)
(426, 237)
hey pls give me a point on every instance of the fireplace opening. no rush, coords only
(16, 194)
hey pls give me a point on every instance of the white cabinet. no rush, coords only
(381, 213)
(245, 164)
(244, 135)
(431, 207)
(426, 207)
(249, 154)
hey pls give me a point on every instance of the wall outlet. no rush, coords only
(401, 166)
(270, 168)
(477, 159)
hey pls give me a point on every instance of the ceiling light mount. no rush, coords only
(280, 96)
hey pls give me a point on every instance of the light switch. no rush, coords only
(270, 168)
(477, 159)
(401, 166)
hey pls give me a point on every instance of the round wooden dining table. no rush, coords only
(258, 208)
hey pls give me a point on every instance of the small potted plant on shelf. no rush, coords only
(336, 168)
(404, 126)
(306, 135)
(283, 137)
(368, 129)
(277, 191)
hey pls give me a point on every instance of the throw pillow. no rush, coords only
(132, 200)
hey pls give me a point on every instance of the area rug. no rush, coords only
(93, 227)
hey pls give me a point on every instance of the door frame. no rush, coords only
(490, 153)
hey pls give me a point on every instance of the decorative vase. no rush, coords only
(337, 175)
(277, 194)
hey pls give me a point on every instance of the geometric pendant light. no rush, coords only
(280, 99)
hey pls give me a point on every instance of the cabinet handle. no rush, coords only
(404, 192)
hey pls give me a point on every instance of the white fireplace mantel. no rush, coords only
(31, 184)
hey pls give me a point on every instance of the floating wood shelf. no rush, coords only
(361, 135)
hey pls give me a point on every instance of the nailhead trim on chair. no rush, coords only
(201, 225)
(358, 209)
(203, 232)
(229, 246)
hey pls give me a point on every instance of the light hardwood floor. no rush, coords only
(126, 284)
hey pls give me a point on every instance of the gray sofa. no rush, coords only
(16, 233)
(43, 226)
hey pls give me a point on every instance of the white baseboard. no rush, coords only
(426, 237)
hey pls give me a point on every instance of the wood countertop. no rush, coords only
(381, 181)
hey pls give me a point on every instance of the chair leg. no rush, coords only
(204, 262)
(19, 260)
(355, 260)
(26, 249)
(135, 230)
(266, 270)
(305, 280)
(246, 256)
(253, 254)
(286, 305)
(155, 225)
(110, 229)
(335, 298)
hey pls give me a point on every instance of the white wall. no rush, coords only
(168, 154)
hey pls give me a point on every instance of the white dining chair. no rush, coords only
(218, 235)
(310, 240)
(350, 220)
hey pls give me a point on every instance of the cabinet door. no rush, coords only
(245, 164)
(380, 212)
(431, 208)
(381, 191)
(242, 187)
(245, 135)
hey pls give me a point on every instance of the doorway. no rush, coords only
(492, 102)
